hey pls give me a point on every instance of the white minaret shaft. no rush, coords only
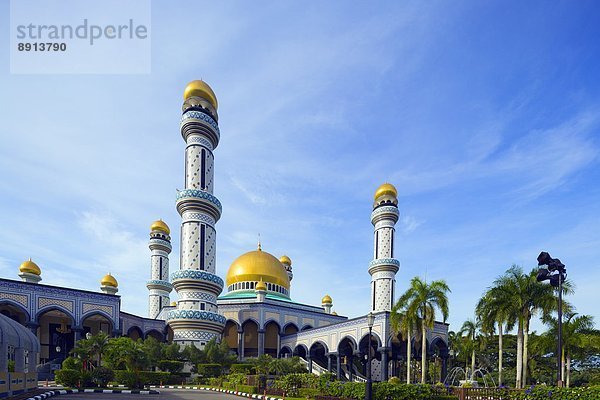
(158, 285)
(384, 266)
(196, 320)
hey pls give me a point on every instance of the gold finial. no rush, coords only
(259, 247)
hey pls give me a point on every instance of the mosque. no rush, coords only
(255, 316)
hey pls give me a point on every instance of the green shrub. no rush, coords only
(246, 369)
(216, 381)
(154, 377)
(171, 366)
(308, 393)
(554, 393)
(67, 377)
(102, 375)
(209, 370)
(131, 379)
(237, 378)
(72, 363)
(394, 380)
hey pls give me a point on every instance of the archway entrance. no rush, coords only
(272, 339)
(55, 335)
(250, 329)
(95, 324)
(230, 336)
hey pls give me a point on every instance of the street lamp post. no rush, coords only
(556, 274)
(369, 387)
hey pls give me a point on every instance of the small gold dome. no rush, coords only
(173, 304)
(200, 88)
(326, 300)
(285, 260)
(255, 266)
(261, 286)
(334, 313)
(109, 280)
(386, 188)
(30, 267)
(160, 226)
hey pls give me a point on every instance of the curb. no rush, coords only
(241, 394)
(69, 391)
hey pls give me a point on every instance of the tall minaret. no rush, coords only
(196, 320)
(384, 266)
(158, 285)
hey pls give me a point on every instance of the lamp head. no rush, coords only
(544, 258)
(370, 319)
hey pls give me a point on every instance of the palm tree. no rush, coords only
(84, 350)
(99, 343)
(526, 297)
(421, 300)
(574, 330)
(406, 325)
(494, 308)
(469, 331)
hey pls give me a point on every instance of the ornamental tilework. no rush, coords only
(199, 194)
(384, 261)
(194, 274)
(202, 117)
(19, 298)
(160, 282)
(199, 296)
(195, 335)
(95, 307)
(201, 140)
(193, 216)
(192, 314)
(161, 242)
(385, 210)
(45, 302)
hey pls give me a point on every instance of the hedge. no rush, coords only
(67, 377)
(209, 370)
(554, 393)
(247, 369)
(136, 380)
(171, 366)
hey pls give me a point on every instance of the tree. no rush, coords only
(575, 329)
(494, 308)
(525, 297)
(405, 325)
(218, 353)
(470, 331)
(422, 300)
(123, 351)
(99, 342)
(83, 349)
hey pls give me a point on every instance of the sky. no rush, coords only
(484, 115)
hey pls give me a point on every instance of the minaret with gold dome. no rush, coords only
(196, 319)
(159, 285)
(384, 266)
(30, 272)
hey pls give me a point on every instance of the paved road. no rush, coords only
(164, 394)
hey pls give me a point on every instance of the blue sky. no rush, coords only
(485, 115)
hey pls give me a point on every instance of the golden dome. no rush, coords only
(173, 304)
(160, 226)
(30, 267)
(386, 188)
(255, 266)
(200, 89)
(285, 260)
(334, 313)
(109, 280)
(261, 286)
(326, 300)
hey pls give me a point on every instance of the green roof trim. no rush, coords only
(250, 294)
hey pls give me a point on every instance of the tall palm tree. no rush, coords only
(526, 297)
(421, 301)
(469, 331)
(99, 343)
(407, 326)
(574, 334)
(494, 308)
